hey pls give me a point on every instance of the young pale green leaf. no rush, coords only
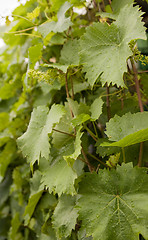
(104, 45)
(60, 178)
(96, 108)
(34, 14)
(127, 130)
(61, 25)
(113, 203)
(70, 159)
(35, 53)
(4, 120)
(8, 90)
(65, 216)
(34, 143)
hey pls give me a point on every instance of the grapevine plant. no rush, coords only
(74, 122)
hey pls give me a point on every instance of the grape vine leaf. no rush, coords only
(36, 193)
(61, 25)
(113, 203)
(79, 119)
(34, 14)
(116, 5)
(69, 56)
(34, 143)
(127, 130)
(33, 200)
(8, 90)
(4, 120)
(96, 108)
(70, 159)
(104, 45)
(6, 157)
(60, 178)
(34, 53)
(15, 224)
(69, 53)
(65, 216)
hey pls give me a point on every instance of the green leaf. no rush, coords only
(59, 66)
(35, 53)
(60, 178)
(34, 143)
(15, 224)
(105, 150)
(69, 53)
(116, 5)
(4, 120)
(65, 216)
(61, 25)
(6, 157)
(5, 188)
(127, 130)
(36, 193)
(104, 45)
(113, 203)
(96, 108)
(113, 160)
(78, 87)
(70, 159)
(34, 14)
(33, 200)
(8, 90)
(79, 119)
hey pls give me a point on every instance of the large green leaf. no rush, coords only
(34, 142)
(61, 25)
(127, 130)
(104, 48)
(113, 203)
(65, 216)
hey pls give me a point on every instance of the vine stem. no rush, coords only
(137, 86)
(86, 161)
(66, 85)
(72, 88)
(108, 102)
(122, 101)
(145, 71)
(110, 3)
(90, 132)
(98, 160)
(123, 152)
(67, 93)
(103, 5)
(140, 106)
(59, 131)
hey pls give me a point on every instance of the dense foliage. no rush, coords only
(74, 122)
